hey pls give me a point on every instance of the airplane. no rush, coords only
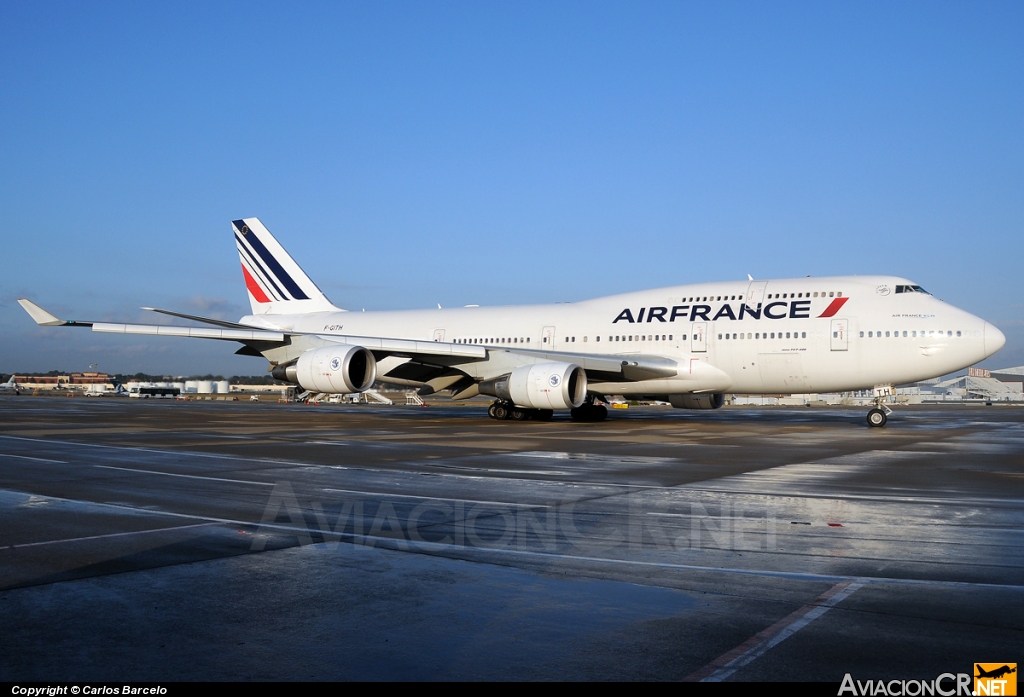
(9, 385)
(689, 345)
(995, 673)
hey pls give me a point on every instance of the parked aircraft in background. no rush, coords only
(688, 344)
(9, 386)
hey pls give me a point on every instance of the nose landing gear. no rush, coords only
(877, 417)
(879, 414)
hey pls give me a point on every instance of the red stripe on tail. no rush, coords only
(254, 287)
(834, 307)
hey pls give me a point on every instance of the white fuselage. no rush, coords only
(763, 337)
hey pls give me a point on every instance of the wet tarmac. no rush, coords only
(159, 540)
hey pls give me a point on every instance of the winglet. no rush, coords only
(749, 277)
(38, 314)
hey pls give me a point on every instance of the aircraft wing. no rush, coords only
(230, 331)
(441, 354)
(614, 368)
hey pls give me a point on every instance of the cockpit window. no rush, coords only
(911, 289)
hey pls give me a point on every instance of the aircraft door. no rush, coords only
(698, 337)
(547, 341)
(840, 334)
(438, 335)
(755, 293)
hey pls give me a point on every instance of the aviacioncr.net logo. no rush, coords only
(946, 685)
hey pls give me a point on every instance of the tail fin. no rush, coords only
(276, 284)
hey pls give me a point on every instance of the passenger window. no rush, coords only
(871, 334)
(803, 335)
(887, 333)
(957, 333)
(719, 336)
(839, 294)
(815, 295)
(831, 294)
(862, 335)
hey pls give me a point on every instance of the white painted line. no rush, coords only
(103, 537)
(37, 459)
(432, 547)
(190, 453)
(436, 498)
(757, 645)
(186, 476)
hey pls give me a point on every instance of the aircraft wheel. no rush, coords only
(490, 411)
(600, 412)
(876, 418)
(518, 414)
(500, 412)
(585, 413)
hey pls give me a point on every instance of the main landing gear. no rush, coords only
(589, 411)
(504, 410)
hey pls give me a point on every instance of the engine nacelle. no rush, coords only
(697, 401)
(338, 369)
(541, 386)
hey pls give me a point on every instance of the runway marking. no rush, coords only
(757, 645)
(38, 459)
(186, 476)
(191, 453)
(429, 547)
(559, 455)
(102, 537)
(436, 498)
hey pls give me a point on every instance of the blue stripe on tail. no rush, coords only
(270, 261)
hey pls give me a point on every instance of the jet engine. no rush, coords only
(697, 401)
(338, 369)
(541, 386)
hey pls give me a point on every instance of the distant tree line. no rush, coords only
(265, 379)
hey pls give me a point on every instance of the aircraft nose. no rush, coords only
(994, 339)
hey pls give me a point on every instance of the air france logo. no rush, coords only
(555, 380)
(793, 309)
(335, 363)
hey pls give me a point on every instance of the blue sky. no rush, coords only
(414, 153)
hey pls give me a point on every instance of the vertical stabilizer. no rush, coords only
(276, 284)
